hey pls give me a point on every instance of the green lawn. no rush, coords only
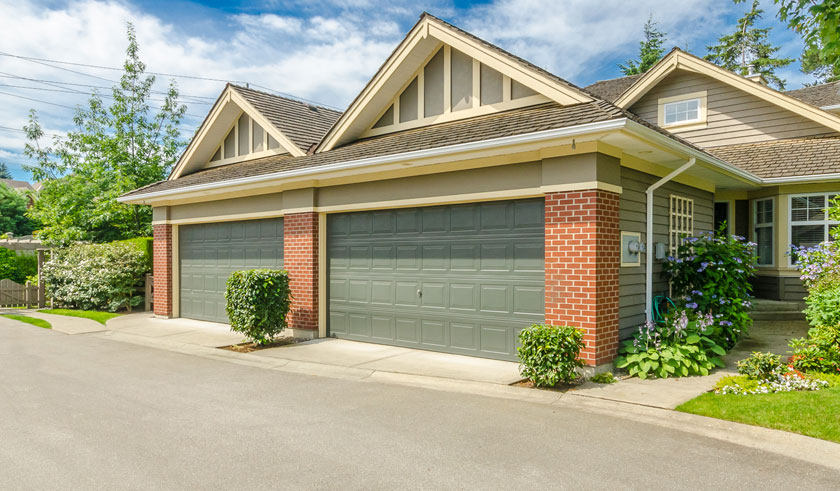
(808, 413)
(100, 317)
(29, 320)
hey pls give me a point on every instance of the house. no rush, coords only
(20, 186)
(466, 194)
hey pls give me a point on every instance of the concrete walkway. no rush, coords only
(772, 336)
(62, 323)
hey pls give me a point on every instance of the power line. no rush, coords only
(37, 100)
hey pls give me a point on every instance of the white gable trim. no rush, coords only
(678, 59)
(428, 26)
(228, 96)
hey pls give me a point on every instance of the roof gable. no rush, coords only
(678, 59)
(289, 126)
(422, 43)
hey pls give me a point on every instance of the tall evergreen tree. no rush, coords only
(818, 22)
(650, 50)
(112, 150)
(4, 171)
(749, 45)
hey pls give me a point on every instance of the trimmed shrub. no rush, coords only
(550, 354)
(819, 352)
(760, 366)
(96, 276)
(258, 303)
(17, 267)
(143, 244)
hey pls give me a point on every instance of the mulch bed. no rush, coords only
(249, 347)
(557, 388)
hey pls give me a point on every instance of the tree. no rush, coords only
(818, 22)
(4, 171)
(650, 50)
(13, 212)
(112, 150)
(749, 46)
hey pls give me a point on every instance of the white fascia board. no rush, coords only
(614, 124)
(800, 179)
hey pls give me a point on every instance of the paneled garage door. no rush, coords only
(210, 252)
(460, 279)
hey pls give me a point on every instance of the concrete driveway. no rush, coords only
(84, 412)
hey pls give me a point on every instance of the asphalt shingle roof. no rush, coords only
(515, 122)
(304, 124)
(818, 95)
(809, 156)
(609, 90)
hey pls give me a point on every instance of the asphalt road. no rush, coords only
(80, 412)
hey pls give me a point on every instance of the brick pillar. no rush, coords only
(162, 269)
(582, 258)
(300, 259)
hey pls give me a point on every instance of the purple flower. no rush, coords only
(692, 305)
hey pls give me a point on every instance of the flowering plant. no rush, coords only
(679, 347)
(780, 382)
(712, 275)
(819, 352)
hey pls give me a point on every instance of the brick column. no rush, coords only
(582, 257)
(300, 259)
(162, 269)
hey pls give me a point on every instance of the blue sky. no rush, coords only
(321, 50)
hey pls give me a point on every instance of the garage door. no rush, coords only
(210, 252)
(460, 279)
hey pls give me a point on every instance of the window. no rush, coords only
(682, 111)
(681, 221)
(763, 231)
(809, 223)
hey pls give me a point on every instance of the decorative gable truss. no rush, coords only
(233, 131)
(452, 85)
(440, 73)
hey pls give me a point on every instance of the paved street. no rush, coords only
(81, 412)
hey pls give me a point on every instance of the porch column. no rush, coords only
(300, 259)
(582, 258)
(162, 268)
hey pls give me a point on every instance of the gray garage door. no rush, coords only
(460, 279)
(210, 252)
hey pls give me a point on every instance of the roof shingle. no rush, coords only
(609, 90)
(809, 156)
(818, 95)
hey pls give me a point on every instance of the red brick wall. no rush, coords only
(582, 258)
(162, 269)
(300, 259)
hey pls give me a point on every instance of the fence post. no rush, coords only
(42, 288)
(150, 280)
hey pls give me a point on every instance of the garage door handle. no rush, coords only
(419, 293)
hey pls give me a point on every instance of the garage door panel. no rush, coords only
(478, 269)
(209, 253)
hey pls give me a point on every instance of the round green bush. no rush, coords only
(258, 303)
(550, 354)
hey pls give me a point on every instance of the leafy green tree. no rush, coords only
(813, 63)
(650, 50)
(4, 171)
(749, 45)
(13, 217)
(112, 150)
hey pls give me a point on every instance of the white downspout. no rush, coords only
(649, 252)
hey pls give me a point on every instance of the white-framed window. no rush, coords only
(681, 221)
(763, 216)
(809, 222)
(679, 112)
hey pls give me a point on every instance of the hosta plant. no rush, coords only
(258, 303)
(679, 348)
(549, 355)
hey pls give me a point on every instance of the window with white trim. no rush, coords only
(763, 230)
(809, 222)
(681, 221)
(679, 112)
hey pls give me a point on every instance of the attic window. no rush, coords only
(387, 119)
(491, 86)
(230, 144)
(408, 102)
(683, 110)
(518, 91)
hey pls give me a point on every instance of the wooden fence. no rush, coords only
(14, 294)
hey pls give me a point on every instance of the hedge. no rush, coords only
(258, 303)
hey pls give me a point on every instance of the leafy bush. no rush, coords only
(760, 366)
(603, 378)
(17, 267)
(258, 303)
(96, 276)
(679, 348)
(819, 352)
(712, 275)
(142, 244)
(823, 305)
(550, 354)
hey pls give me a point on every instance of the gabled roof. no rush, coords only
(303, 123)
(609, 90)
(678, 58)
(823, 95)
(811, 156)
(20, 185)
(419, 43)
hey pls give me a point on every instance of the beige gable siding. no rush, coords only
(631, 282)
(734, 116)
